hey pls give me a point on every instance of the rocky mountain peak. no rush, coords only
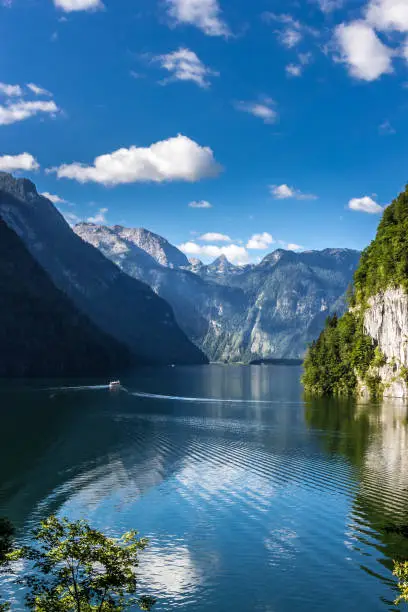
(20, 188)
(221, 265)
(152, 244)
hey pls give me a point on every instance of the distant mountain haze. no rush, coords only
(119, 305)
(236, 313)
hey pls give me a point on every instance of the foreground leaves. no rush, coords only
(401, 572)
(79, 569)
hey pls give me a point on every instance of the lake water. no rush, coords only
(252, 498)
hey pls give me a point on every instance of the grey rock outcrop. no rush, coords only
(386, 321)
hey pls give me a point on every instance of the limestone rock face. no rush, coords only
(386, 321)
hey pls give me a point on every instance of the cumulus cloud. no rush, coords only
(233, 252)
(99, 217)
(263, 110)
(215, 237)
(284, 192)
(366, 205)
(204, 14)
(68, 6)
(23, 161)
(55, 199)
(18, 111)
(184, 65)
(175, 159)
(200, 204)
(388, 14)
(361, 49)
(260, 242)
(10, 90)
(38, 91)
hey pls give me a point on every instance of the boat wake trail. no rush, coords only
(78, 388)
(201, 400)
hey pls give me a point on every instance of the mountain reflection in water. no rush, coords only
(274, 503)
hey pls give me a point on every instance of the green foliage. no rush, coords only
(6, 547)
(79, 569)
(404, 373)
(334, 360)
(343, 352)
(379, 358)
(384, 263)
(401, 572)
(6, 539)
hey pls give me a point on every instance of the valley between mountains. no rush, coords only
(235, 313)
(133, 289)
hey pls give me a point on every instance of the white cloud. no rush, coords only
(365, 204)
(233, 252)
(263, 110)
(388, 14)
(291, 246)
(10, 90)
(361, 49)
(290, 38)
(284, 192)
(204, 14)
(260, 241)
(327, 6)
(186, 66)
(178, 158)
(24, 161)
(100, 216)
(292, 30)
(39, 91)
(55, 199)
(293, 70)
(200, 204)
(78, 5)
(215, 237)
(18, 111)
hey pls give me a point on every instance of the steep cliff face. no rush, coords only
(366, 351)
(386, 322)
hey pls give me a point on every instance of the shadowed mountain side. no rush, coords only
(121, 306)
(41, 332)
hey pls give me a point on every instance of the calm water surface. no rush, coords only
(252, 498)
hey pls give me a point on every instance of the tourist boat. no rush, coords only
(115, 384)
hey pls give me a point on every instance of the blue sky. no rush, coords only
(278, 115)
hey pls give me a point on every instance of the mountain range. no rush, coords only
(126, 295)
(120, 306)
(235, 313)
